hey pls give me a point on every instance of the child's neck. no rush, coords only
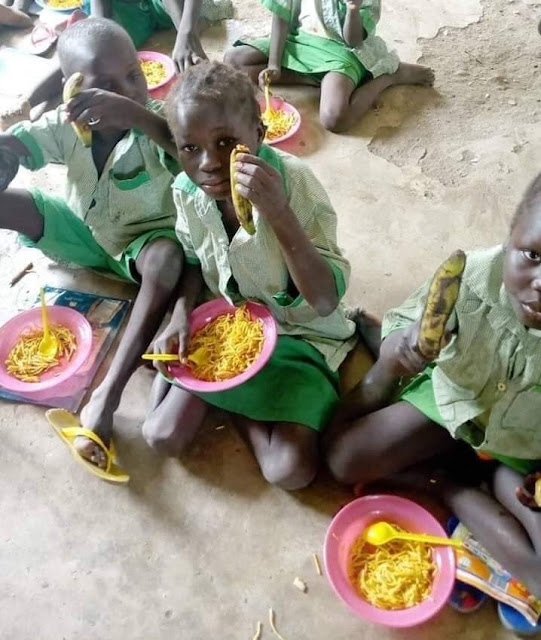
(103, 143)
(229, 217)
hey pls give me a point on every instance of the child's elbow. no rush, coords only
(326, 305)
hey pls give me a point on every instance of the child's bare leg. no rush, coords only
(342, 105)
(174, 419)
(253, 62)
(287, 453)
(12, 16)
(160, 266)
(510, 531)
(382, 443)
(19, 213)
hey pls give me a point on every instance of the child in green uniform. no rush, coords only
(483, 389)
(291, 264)
(118, 214)
(332, 44)
(141, 19)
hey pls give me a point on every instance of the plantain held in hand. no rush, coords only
(72, 87)
(441, 300)
(243, 207)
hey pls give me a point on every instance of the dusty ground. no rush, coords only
(201, 548)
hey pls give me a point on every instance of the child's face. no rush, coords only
(206, 133)
(114, 67)
(522, 270)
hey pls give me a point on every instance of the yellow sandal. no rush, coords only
(68, 427)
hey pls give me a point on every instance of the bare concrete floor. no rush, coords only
(200, 548)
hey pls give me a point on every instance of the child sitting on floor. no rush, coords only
(291, 264)
(332, 44)
(118, 215)
(484, 389)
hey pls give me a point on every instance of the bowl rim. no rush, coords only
(296, 125)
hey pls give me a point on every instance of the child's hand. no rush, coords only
(262, 185)
(173, 339)
(187, 52)
(101, 110)
(273, 72)
(400, 353)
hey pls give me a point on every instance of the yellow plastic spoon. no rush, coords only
(383, 532)
(196, 356)
(48, 347)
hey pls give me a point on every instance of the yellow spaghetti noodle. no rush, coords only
(278, 123)
(396, 575)
(64, 4)
(26, 363)
(225, 347)
(154, 71)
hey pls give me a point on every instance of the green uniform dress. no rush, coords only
(141, 18)
(485, 386)
(300, 382)
(103, 222)
(315, 44)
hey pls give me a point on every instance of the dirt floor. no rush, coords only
(200, 548)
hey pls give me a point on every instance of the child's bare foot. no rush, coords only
(97, 416)
(368, 328)
(13, 111)
(414, 74)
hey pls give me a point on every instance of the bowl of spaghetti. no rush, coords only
(282, 121)
(228, 345)
(62, 6)
(158, 70)
(399, 584)
(23, 369)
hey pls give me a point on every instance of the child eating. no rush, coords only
(483, 389)
(118, 215)
(330, 44)
(291, 264)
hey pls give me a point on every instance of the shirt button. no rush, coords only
(502, 387)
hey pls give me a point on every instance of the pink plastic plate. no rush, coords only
(351, 521)
(11, 332)
(205, 314)
(165, 60)
(280, 104)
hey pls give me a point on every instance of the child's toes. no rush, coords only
(90, 451)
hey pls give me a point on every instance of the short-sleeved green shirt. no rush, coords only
(490, 372)
(253, 267)
(130, 198)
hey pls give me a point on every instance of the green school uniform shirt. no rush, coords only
(490, 372)
(252, 267)
(131, 197)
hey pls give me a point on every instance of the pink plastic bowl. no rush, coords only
(351, 521)
(11, 332)
(205, 314)
(280, 104)
(167, 63)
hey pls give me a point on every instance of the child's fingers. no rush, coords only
(248, 162)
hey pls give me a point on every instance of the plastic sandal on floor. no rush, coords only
(464, 598)
(515, 622)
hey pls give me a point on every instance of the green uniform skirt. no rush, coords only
(315, 56)
(296, 385)
(420, 393)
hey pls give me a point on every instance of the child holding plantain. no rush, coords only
(478, 386)
(118, 215)
(283, 254)
(330, 44)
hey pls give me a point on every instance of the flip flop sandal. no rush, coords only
(74, 17)
(42, 39)
(68, 427)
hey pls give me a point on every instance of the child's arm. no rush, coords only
(13, 144)
(353, 31)
(174, 338)
(188, 50)
(112, 111)
(101, 8)
(279, 31)
(12, 150)
(311, 273)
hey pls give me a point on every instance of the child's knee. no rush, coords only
(333, 117)
(162, 438)
(234, 57)
(163, 263)
(291, 470)
(347, 463)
